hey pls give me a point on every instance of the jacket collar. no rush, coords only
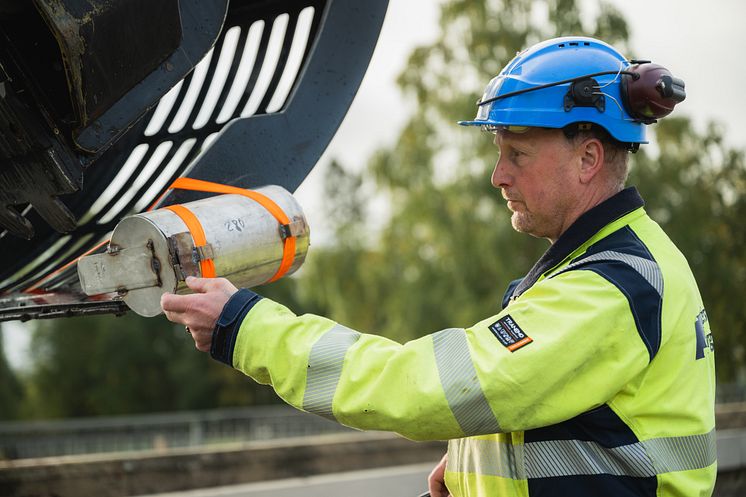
(587, 225)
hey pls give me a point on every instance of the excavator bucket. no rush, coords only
(104, 104)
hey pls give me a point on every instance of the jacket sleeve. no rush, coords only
(567, 345)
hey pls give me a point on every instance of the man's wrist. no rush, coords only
(229, 323)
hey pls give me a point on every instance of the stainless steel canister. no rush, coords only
(152, 253)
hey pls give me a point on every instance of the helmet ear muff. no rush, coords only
(650, 92)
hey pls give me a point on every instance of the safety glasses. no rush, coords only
(491, 128)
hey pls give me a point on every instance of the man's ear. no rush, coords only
(591, 155)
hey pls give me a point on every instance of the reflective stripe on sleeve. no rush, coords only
(557, 458)
(461, 385)
(324, 369)
(646, 268)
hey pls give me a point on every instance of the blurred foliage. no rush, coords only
(105, 365)
(11, 389)
(446, 249)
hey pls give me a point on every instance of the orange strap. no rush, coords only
(195, 228)
(207, 266)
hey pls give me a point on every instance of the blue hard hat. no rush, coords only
(559, 82)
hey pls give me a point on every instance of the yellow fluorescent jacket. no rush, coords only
(596, 378)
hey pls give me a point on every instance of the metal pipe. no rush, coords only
(152, 253)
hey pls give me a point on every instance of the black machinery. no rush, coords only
(103, 104)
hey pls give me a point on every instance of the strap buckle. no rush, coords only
(292, 229)
(202, 253)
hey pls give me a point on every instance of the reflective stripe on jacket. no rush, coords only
(597, 377)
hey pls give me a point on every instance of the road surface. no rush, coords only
(402, 481)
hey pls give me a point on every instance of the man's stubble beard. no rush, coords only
(525, 222)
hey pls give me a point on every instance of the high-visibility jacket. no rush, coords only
(595, 379)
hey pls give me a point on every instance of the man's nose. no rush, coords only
(499, 178)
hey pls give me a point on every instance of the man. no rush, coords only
(596, 377)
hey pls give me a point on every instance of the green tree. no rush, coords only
(103, 365)
(11, 389)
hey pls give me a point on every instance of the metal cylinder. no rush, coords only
(152, 253)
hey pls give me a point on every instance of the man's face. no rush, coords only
(537, 174)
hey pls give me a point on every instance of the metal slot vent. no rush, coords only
(251, 70)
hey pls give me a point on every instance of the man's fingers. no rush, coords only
(199, 285)
(205, 285)
(175, 317)
(200, 310)
(176, 303)
(202, 343)
(436, 481)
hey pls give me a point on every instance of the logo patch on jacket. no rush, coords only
(507, 331)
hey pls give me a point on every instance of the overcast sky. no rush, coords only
(700, 42)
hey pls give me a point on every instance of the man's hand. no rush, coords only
(436, 481)
(199, 311)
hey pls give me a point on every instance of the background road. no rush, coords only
(401, 481)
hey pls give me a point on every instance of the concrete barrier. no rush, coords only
(731, 463)
(730, 416)
(136, 473)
